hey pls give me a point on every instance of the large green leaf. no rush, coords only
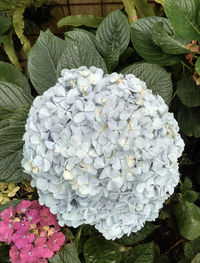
(43, 60)
(170, 42)
(197, 66)
(192, 248)
(141, 36)
(68, 254)
(100, 250)
(13, 97)
(80, 36)
(188, 217)
(188, 92)
(113, 33)
(11, 138)
(156, 78)
(80, 53)
(183, 14)
(9, 73)
(189, 120)
(7, 5)
(144, 253)
(80, 20)
(11, 169)
(196, 259)
(5, 24)
(138, 236)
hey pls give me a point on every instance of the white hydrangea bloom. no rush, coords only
(102, 150)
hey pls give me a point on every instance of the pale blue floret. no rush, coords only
(102, 150)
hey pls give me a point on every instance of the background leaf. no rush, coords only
(167, 40)
(113, 33)
(18, 24)
(5, 24)
(138, 236)
(188, 217)
(192, 248)
(9, 73)
(100, 250)
(141, 37)
(80, 53)
(183, 14)
(144, 253)
(197, 66)
(80, 20)
(188, 92)
(43, 60)
(156, 78)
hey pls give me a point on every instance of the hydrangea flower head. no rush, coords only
(102, 150)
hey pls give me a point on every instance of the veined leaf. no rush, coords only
(169, 42)
(78, 36)
(98, 249)
(5, 24)
(183, 14)
(141, 36)
(18, 23)
(188, 217)
(9, 73)
(156, 78)
(80, 53)
(9, 49)
(188, 92)
(43, 60)
(113, 33)
(144, 8)
(80, 20)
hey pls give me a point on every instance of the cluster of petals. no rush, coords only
(7, 191)
(102, 150)
(32, 232)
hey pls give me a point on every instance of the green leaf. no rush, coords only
(186, 185)
(14, 203)
(4, 253)
(141, 37)
(12, 97)
(130, 10)
(18, 24)
(167, 40)
(162, 259)
(160, 2)
(112, 60)
(156, 78)
(196, 259)
(144, 253)
(188, 217)
(68, 254)
(11, 139)
(189, 120)
(80, 20)
(188, 92)
(9, 73)
(192, 248)
(183, 14)
(9, 49)
(5, 24)
(189, 196)
(197, 66)
(144, 8)
(39, 3)
(88, 33)
(100, 250)
(79, 36)
(80, 53)
(113, 33)
(43, 60)
(7, 5)
(138, 236)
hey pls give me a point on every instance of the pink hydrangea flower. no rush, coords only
(47, 219)
(33, 216)
(30, 254)
(14, 254)
(6, 231)
(56, 241)
(24, 206)
(21, 227)
(22, 240)
(40, 243)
